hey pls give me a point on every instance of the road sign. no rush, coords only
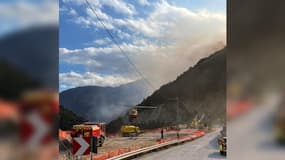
(34, 130)
(94, 142)
(81, 146)
(38, 109)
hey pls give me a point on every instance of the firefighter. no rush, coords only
(178, 136)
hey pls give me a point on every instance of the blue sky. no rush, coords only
(155, 35)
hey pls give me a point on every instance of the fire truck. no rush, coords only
(89, 129)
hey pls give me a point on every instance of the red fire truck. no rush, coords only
(89, 129)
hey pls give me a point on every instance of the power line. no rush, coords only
(117, 44)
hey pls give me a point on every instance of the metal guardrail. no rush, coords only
(138, 152)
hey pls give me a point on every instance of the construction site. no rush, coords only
(115, 145)
(144, 115)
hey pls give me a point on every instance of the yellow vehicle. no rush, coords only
(130, 130)
(223, 142)
(279, 126)
(133, 113)
(223, 145)
(194, 123)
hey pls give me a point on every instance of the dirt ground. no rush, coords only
(143, 140)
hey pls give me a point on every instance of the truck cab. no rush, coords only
(89, 129)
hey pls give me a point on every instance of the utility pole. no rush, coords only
(177, 110)
(177, 114)
(178, 117)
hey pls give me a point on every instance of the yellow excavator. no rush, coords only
(196, 122)
(131, 129)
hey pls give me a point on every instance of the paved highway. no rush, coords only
(205, 148)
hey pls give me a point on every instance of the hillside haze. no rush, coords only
(96, 103)
(201, 90)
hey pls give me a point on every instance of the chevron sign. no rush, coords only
(81, 146)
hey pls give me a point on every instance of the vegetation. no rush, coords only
(68, 119)
(200, 90)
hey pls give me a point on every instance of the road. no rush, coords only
(251, 136)
(204, 148)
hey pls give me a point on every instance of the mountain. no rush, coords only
(67, 119)
(255, 44)
(14, 81)
(96, 103)
(200, 91)
(34, 52)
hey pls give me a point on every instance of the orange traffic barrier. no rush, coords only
(117, 152)
(100, 157)
(123, 150)
(189, 130)
(236, 108)
(113, 153)
(8, 110)
(63, 134)
(134, 148)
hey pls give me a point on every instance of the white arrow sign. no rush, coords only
(41, 128)
(83, 146)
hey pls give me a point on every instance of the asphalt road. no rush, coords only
(204, 148)
(251, 136)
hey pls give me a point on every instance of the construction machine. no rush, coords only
(131, 129)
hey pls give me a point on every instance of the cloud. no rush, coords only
(18, 15)
(167, 18)
(143, 2)
(90, 51)
(102, 41)
(157, 63)
(118, 6)
(155, 43)
(102, 60)
(73, 12)
(74, 79)
(100, 14)
(91, 20)
(165, 21)
(63, 9)
(78, 2)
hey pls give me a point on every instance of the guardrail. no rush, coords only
(145, 150)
